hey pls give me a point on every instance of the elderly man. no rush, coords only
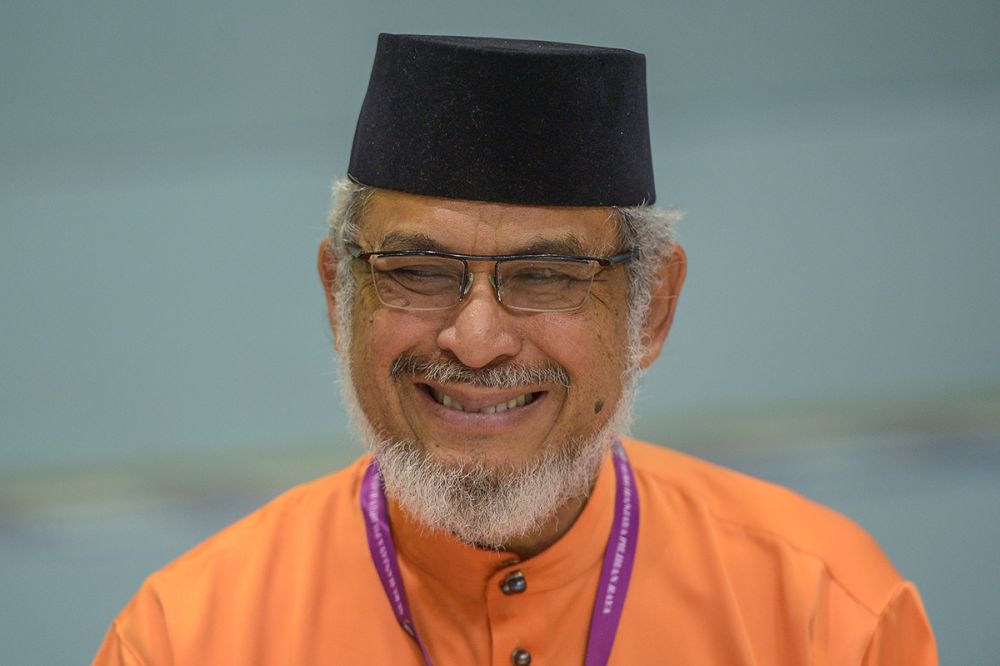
(497, 281)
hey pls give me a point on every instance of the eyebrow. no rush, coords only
(398, 241)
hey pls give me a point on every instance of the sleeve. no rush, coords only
(903, 635)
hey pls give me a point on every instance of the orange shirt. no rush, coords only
(729, 570)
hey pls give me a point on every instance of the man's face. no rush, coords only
(589, 344)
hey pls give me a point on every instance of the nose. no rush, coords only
(480, 330)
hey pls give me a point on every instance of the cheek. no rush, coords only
(600, 337)
(362, 347)
(609, 321)
(374, 343)
(381, 335)
(593, 351)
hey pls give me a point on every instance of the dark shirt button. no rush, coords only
(513, 583)
(520, 657)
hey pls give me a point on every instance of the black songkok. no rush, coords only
(511, 121)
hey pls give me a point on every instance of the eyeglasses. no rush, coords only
(425, 280)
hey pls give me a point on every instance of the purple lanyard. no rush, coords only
(611, 587)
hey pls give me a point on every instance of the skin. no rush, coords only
(480, 332)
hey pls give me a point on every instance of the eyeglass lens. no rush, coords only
(435, 283)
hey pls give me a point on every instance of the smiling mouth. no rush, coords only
(513, 403)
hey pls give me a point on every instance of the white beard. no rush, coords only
(483, 505)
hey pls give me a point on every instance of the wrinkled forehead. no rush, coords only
(400, 221)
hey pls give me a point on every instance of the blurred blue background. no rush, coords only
(165, 364)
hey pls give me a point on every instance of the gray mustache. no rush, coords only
(508, 375)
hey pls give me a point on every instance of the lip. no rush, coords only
(473, 397)
(478, 397)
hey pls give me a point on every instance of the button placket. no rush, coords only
(514, 621)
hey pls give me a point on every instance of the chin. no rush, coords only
(480, 503)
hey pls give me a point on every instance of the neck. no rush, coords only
(551, 531)
(527, 545)
(523, 546)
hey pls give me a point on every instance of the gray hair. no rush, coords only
(647, 230)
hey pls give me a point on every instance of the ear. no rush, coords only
(326, 264)
(664, 303)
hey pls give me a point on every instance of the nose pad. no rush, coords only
(497, 287)
(466, 286)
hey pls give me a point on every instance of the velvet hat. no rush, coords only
(513, 121)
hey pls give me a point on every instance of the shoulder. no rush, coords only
(261, 555)
(271, 568)
(745, 512)
(754, 568)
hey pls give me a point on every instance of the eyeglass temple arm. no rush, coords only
(618, 258)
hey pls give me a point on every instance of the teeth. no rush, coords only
(448, 402)
(519, 401)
